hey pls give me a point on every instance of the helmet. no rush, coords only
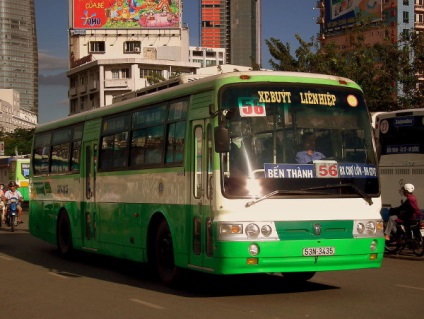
(409, 188)
(13, 184)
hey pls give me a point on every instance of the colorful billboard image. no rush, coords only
(126, 14)
(344, 13)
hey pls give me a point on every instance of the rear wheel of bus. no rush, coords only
(64, 235)
(168, 273)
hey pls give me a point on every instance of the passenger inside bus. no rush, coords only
(308, 155)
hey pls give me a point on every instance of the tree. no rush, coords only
(386, 72)
(19, 140)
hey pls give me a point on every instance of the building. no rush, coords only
(122, 46)
(235, 26)
(12, 116)
(207, 56)
(389, 19)
(19, 55)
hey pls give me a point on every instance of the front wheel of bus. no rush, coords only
(298, 277)
(168, 273)
(64, 235)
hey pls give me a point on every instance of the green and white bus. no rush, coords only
(19, 172)
(16, 169)
(203, 176)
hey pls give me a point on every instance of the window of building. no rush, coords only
(123, 73)
(405, 17)
(405, 33)
(97, 46)
(406, 2)
(115, 74)
(132, 46)
(144, 73)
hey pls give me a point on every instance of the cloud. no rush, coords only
(51, 63)
(57, 79)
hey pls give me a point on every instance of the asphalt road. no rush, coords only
(37, 283)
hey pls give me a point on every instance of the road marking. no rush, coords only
(410, 287)
(57, 275)
(148, 304)
(5, 258)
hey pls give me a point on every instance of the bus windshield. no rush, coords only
(291, 138)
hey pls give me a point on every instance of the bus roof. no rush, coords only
(200, 84)
(403, 112)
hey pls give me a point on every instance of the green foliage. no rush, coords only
(155, 78)
(386, 72)
(20, 139)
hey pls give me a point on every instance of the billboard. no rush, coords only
(126, 14)
(343, 13)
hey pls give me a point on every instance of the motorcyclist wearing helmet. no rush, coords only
(14, 193)
(405, 213)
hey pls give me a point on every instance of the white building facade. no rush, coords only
(122, 48)
(207, 56)
(12, 116)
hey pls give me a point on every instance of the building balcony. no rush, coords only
(419, 25)
(92, 85)
(419, 8)
(73, 91)
(82, 88)
(116, 83)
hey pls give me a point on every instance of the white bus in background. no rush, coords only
(400, 146)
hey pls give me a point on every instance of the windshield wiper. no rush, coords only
(280, 192)
(350, 185)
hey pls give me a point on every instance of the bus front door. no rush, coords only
(88, 207)
(201, 195)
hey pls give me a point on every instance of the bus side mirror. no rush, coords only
(222, 139)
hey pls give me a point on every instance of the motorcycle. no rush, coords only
(12, 213)
(407, 237)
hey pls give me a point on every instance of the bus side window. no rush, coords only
(106, 154)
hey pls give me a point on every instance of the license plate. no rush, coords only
(319, 251)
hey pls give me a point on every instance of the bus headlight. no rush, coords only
(370, 228)
(360, 228)
(252, 231)
(266, 230)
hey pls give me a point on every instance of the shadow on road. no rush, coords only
(21, 245)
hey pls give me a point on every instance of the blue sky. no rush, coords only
(281, 19)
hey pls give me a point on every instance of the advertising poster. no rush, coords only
(126, 14)
(344, 13)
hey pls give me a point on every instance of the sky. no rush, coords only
(281, 19)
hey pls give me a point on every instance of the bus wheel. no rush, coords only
(168, 273)
(297, 277)
(64, 235)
